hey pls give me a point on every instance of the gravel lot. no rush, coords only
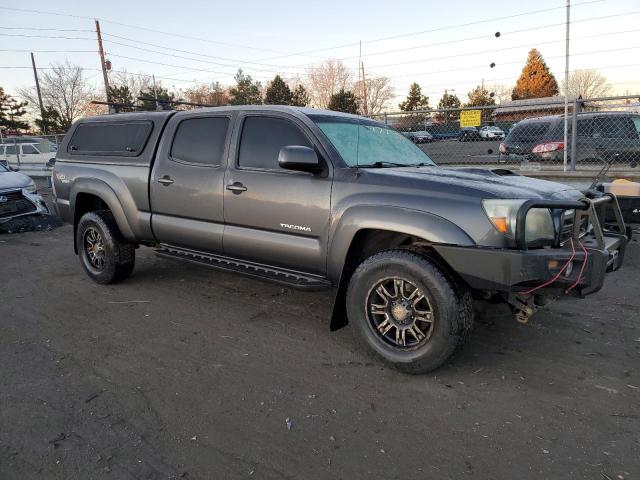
(184, 372)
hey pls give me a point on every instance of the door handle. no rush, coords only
(166, 180)
(236, 188)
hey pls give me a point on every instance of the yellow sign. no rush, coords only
(470, 118)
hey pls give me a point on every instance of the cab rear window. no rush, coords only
(126, 139)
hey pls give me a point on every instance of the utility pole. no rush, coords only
(566, 90)
(364, 89)
(35, 75)
(104, 65)
(155, 92)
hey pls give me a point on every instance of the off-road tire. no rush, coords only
(119, 254)
(451, 303)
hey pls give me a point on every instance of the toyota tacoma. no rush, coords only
(317, 199)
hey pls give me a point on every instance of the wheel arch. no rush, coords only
(363, 231)
(87, 196)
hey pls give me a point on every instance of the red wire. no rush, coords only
(557, 276)
(584, 264)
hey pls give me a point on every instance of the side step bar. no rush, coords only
(256, 270)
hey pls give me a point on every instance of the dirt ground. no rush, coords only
(185, 372)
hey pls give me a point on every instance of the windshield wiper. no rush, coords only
(382, 164)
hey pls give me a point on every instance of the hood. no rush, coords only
(11, 180)
(484, 183)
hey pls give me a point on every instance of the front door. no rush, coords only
(187, 182)
(275, 216)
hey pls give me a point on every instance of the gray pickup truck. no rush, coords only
(316, 199)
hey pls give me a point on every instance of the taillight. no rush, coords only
(548, 147)
(503, 148)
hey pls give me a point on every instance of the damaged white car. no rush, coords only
(18, 196)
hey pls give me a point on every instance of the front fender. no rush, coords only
(427, 226)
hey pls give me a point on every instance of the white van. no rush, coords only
(30, 154)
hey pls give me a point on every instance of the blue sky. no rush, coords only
(431, 47)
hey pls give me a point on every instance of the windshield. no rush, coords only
(361, 142)
(3, 168)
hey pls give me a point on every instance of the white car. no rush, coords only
(491, 133)
(29, 154)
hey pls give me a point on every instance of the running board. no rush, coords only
(256, 270)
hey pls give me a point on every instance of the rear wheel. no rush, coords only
(405, 309)
(105, 254)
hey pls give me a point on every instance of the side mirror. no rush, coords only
(299, 158)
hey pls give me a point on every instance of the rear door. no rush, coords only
(616, 138)
(186, 187)
(275, 216)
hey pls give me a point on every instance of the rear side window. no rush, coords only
(529, 131)
(29, 150)
(615, 127)
(263, 137)
(200, 140)
(585, 128)
(117, 139)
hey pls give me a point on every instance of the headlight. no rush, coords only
(502, 213)
(31, 188)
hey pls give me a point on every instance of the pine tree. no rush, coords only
(479, 96)
(156, 98)
(300, 97)
(53, 121)
(11, 112)
(449, 100)
(343, 101)
(278, 92)
(536, 81)
(246, 91)
(123, 96)
(415, 100)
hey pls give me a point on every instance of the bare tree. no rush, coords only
(326, 79)
(501, 93)
(134, 83)
(379, 93)
(210, 94)
(65, 91)
(588, 84)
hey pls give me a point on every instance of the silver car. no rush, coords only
(18, 195)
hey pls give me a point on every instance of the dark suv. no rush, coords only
(601, 136)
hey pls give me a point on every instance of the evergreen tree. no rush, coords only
(278, 92)
(479, 96)
(156, 98)
(300, 97)
(53, 121)
(123, 96)
(449, 100)
(11, 112)
(415, 100)
(536, 81)
(343, 101)
(246, 91)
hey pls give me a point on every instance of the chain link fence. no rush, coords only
(529, 135)
(33, 155)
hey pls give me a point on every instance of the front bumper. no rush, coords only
(17, 203)
(578, 265)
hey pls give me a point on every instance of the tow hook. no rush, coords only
(521, 307)
(522, 314)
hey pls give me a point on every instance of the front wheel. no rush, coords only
(105, 254)
(404, 308)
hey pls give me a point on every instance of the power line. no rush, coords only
(479, 37)
(47, 29)
(45, 51)
(439, 29)
(138, 27)
(493, 50)
(24, 35)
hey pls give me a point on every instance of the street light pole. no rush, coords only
(566, 90)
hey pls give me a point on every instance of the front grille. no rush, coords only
(566, 226)
(14, 203)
